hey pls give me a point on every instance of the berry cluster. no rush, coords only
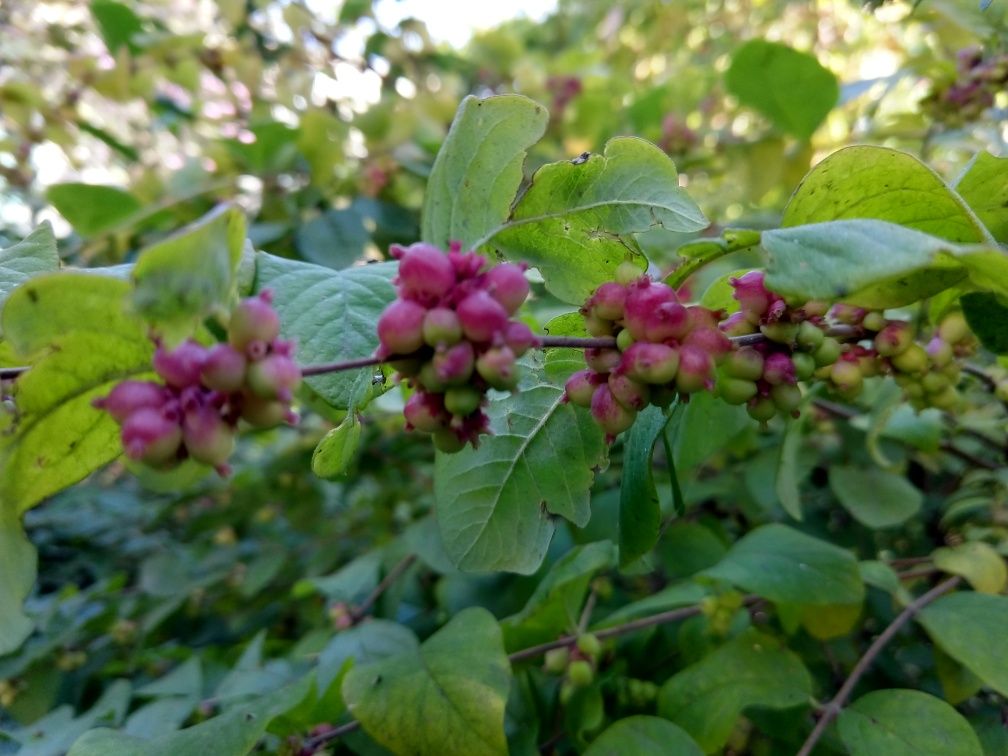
(663, 348)
(764, 376)
(577, 664)
(207, 390)
(450, 333)
(977, 81)
(928, 375)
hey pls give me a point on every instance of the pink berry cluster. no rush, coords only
(663, 349)
(764, 376)
(450, 333)
(207, 390)
(977, 81)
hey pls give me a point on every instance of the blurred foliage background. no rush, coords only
(122, 121)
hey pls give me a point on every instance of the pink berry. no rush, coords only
(736, 324)
(425, 412)
(778, 368)
(628, 392)
(149, 436)
(181, 366)
(895, 338)
(400, 328)
(425, 273)
(752, 295)
(274, 377)
(497, 367)
(612, 416)
(224, 369)
(507, 284)
(710, 340)
(642, 299)
(602, 360)
(254, 319)
(580, 387)
(208, 438)
(669, 320)
(441, 326)
(696, 370)
(519, 338)
(652, 363)
(608, 301)
(482, 317)
(454, 365)
(129, 396)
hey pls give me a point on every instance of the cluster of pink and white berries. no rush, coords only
(207, 390)
(450, 333)
(663, 349)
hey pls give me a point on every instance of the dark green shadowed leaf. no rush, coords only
(18, 563)
(643, 736)
(640, 512)
(987, 315)
(495, 504)
(577, 221)
(876, 498)
(446, 698)
(790, 87)
(479, 168)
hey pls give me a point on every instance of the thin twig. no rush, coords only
(833, 708)
(978, 372)
(586, 612)
(334, 734)
(335, 367)
(358, 613)
(918, 573)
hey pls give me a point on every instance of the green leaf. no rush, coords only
(976, 561)
(876, 498)
(234, 733)
(789, 472)
(673, 597)
(874, 264)
(696, 254)
(445, 698)
(970, 627)
(495, 503)
(74, 331)
(707, 425)
(640, 512)
(336, 450)
(479, 168)
(182, 279)
(883, 184)
(784, 565)
(643, 736)
(34, 254)
(331, 316)
(984, 187)
(576, 223)
(117, 24)
(92, 208)
(18, 563)
(752, 670)
(366, 643)
(791, 88)
(555, 605)
(905, 723)
(986, 314)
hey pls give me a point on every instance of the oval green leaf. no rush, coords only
(643, 736)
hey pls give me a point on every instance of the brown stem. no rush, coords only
(359, 612)
(335, 367)
(833, 708)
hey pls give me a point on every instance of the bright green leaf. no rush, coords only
(336, 450)
(495, 503)
(976, 561)
(34, 254)
(698, 253)
(984, 187)
(117, 24)
(479, 168)
(785, 565)
(640, 512)
(92, 208)
(18, 562)
(74, 331)
(577, 220)
(905, 723)
(970, 627)
(875, 497)
(790, 87)
(555, 605)
(331, 316)
(643, 736)
(882, 184)
(444, 699)
(182, 279)
(752, 670)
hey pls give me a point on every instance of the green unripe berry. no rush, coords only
(761, 408)
(947, 399)
(935, 383)
(597, 326)
(441, 326)
(462, 400)
(874, 321)
(782, 333)
(428, 378)
(787, 397)
(953, 328)
(555, 660)
(810, 336)
(846, 376)
(589, 645)
(446, 440)
(627, 273)
(804, 365)
(940, 352)
(745, 363)
(580, 673)
(624, 340)
(497, 367)
(913, 390)
(263, 413)
(895, 338)
(735, 390)
(914, 360)
(827, 353)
